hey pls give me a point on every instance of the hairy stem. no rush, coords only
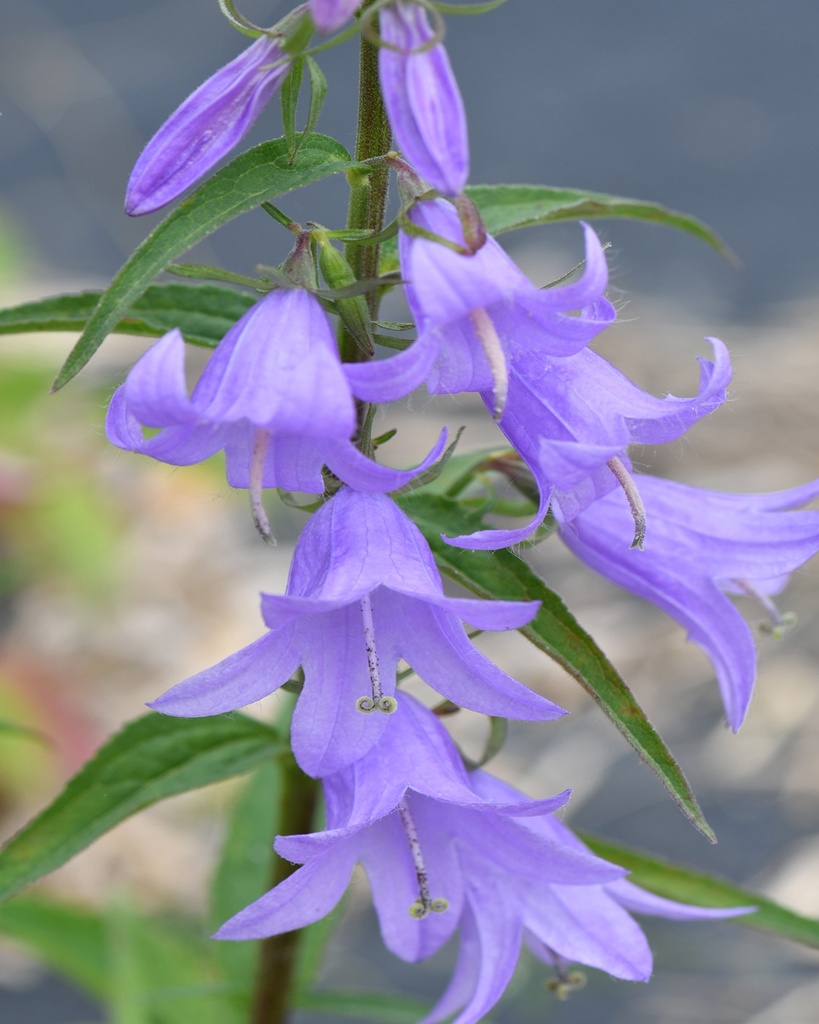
(277, 955)
(368, 195)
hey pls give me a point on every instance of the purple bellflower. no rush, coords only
(422, 98)
(274, 395)
(445, 850)
(207, 126)
(703, 545)
(363, 593)
(328, 15)
(567, 411)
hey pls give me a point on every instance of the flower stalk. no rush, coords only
(278, 955)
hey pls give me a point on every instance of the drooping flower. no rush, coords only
(274, 395)
(363, 593)
(328, 15)
(703, 545)
(567, 411)
(422, 98)
(207, 126)
(461, 852)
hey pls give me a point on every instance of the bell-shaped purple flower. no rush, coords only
(328, 15)
(568, 412)
(207, 126)
(274, 395)
(701, 546)
(363, 593)
(459, 851)
(422, 98)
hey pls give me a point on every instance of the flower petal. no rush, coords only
(210, 122)
(434, 643)
(242, 678)
(422, 98)
(304, 897)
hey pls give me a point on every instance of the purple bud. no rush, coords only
(207, 126)
(328, 15)
(422, 98)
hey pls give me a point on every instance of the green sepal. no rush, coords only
(204, 272)
(354, 312)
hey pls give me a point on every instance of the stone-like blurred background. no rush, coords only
(119, 577)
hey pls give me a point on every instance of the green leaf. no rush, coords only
(170, 970)
(244, 870)
(204, 313)
(677, 883)
(554, 630)
(148, 760)
(469, 8)
(260, 174)
(375, 1006)
(507, 207)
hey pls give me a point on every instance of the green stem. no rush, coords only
(368, 195)
(278, 955)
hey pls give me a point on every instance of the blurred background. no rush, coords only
(120, 577)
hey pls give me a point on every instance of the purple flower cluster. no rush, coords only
(444, 849)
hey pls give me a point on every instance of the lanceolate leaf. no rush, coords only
(148, 760)
(260, 174)
(361, 1006)
(678, 883)
(203, 313)
(506, 207)
(502, 575)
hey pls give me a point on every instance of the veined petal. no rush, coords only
(497, 949)
(181, 445)
(357, 542)
(465, 977)
(242, 678)
(363, 474)
(422, 98)
(583, 924)
(155, 388)
(386, 380)
(434, 643)
(328, 730)
(291, 461)
(210, 122)
(328, 15)
(640, 901)
(306, 896)
(385, 855)
(279, 368)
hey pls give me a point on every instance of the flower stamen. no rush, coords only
(424, 905)
(635, 502)
(778, 623)
(257, 509)
(378, 701)
(493, 350)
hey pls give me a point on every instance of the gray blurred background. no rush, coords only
(708, 106)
